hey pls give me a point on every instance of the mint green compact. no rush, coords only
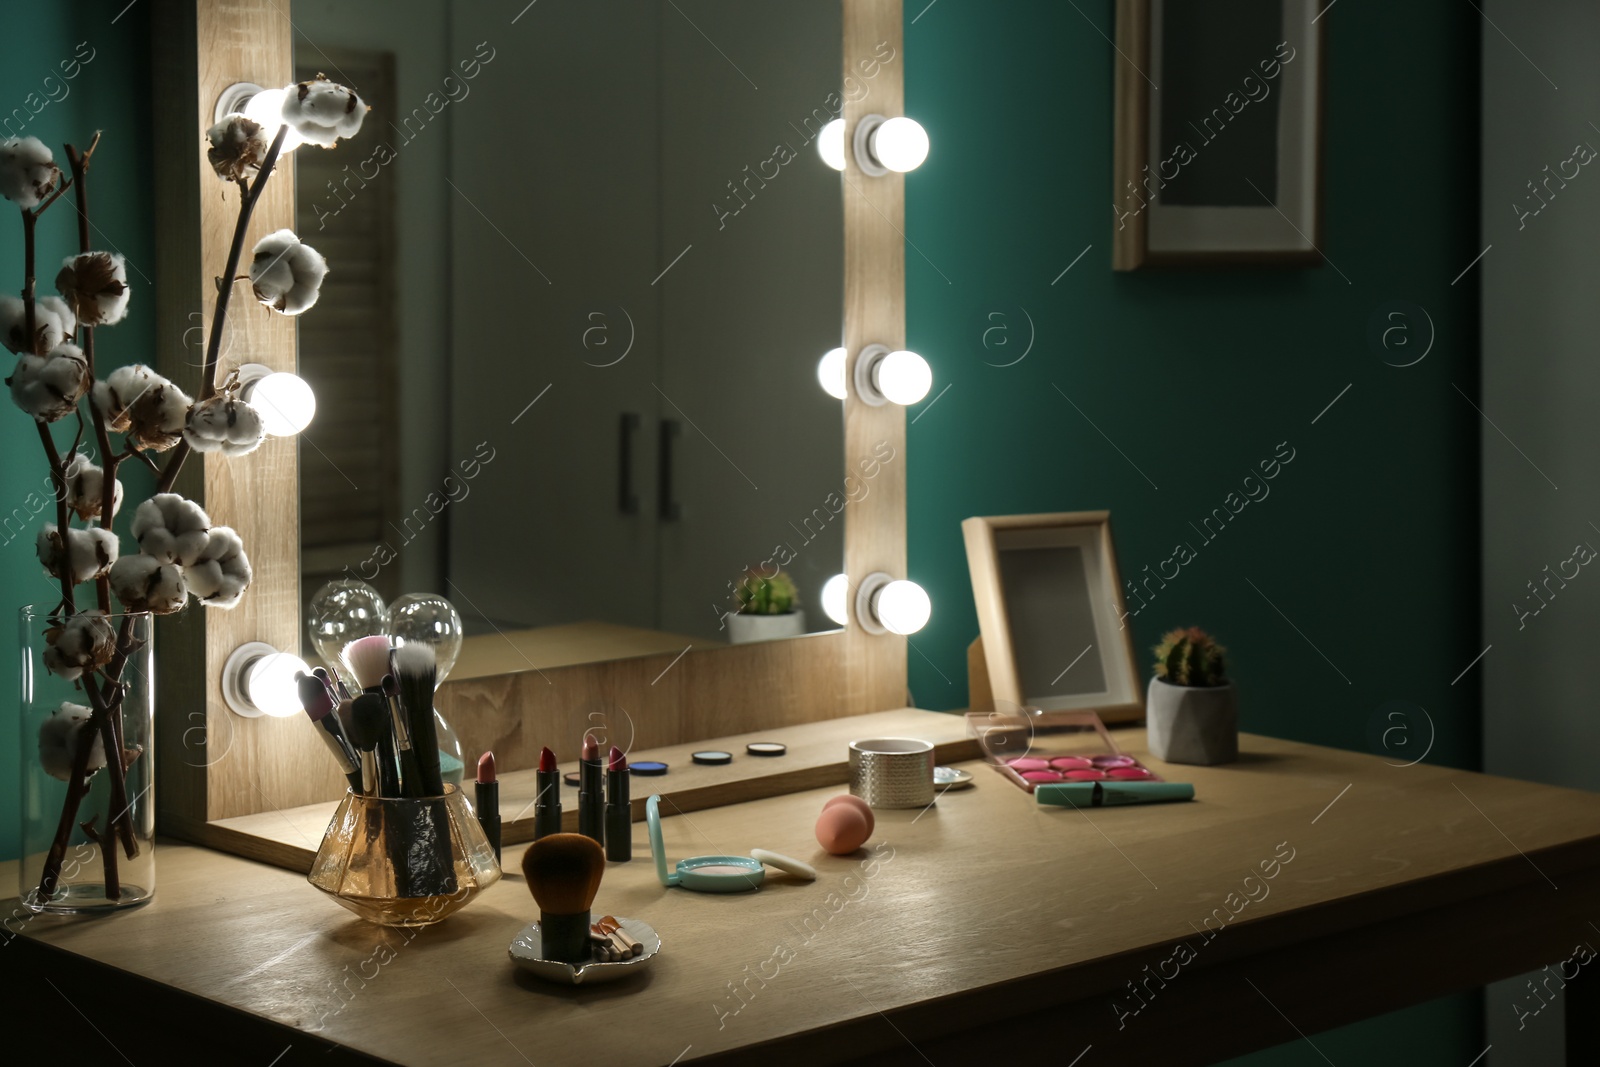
(704, 874)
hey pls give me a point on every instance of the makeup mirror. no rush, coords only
(585, 262)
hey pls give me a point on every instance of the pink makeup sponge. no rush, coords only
(844, 827)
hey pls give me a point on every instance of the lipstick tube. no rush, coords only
(619, 812)
(547, 804)
(591, 792)
(486, 795)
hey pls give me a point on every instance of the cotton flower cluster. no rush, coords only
(53, 323)
(48, 387)
(28, 172)
(321, 111)
(95, 287)
(238, 147)
(285, 273)
(83, 642)
(180, 553)
(224, 424)
(90, 552)
(141, 403)
(86, 488)
(58, 740)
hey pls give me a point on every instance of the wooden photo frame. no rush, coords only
(1050, 608)
(1223, 165)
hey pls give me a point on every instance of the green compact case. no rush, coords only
(704, 874)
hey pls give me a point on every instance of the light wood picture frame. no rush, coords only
(1052, 616)
(1218, 134)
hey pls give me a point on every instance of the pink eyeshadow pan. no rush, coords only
(1041, 776)
(1105, 762)
(1083, 776)
(1128, 773)
(1071, 763)
(1027, 763)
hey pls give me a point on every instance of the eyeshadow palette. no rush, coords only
(1032, 748)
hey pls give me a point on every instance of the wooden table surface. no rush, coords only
(1349, 887)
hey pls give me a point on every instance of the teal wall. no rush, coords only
(1368, 540)
(110, 93)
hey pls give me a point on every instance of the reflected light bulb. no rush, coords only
(285, 402)
(903, 377)
(836, 598)
(266, 108)
(901, 144)
(430, 620)
(340, 612)
(830, 144)
(269, 684)
(902, 607)
(830, 373)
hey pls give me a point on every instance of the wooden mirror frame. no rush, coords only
(216, 769)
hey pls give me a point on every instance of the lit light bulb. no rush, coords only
(285, 402)
(836, 599)
(266, 108)
(830, 144)
(830, 373)
(903, 377)
(901, 144)
(903, 607)
(270, 684)
(429, 620)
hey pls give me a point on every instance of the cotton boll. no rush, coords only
(322, 111)
(85, 485)
(224, 425)
(53, 323)
(58, 742)
(171, 529)
(28, 172)
(238, 147)
(91, 551)
(82, 643)
(286, 274)
(95, 286)
(222, 573)
(143, 583)
(49, 387)
(141, 403)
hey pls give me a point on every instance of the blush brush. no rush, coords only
(563, 873)
(368, 660)
(416, 673)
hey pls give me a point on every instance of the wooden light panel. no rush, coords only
(214, 765)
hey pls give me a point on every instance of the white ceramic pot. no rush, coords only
(1192, 724)
(743, 628)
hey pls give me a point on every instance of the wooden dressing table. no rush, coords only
(983, 916)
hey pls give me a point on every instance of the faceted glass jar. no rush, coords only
(87, 840)
(404, 861)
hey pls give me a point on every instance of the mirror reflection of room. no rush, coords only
(584, 279)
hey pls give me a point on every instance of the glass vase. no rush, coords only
(404, 861)
(87, 831)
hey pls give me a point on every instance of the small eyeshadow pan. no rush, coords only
(1107, 762)
(952, 777)
(1046, 776)
(1028, 763)
(712, 757)
(648, 767)
(1071, 763)
(1128, 774)
(571, 778)
(766, 748)
(1084, 776)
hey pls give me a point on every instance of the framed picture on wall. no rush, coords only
(1218, 153)
(1050, 611)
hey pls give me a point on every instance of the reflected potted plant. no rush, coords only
(1192, 713)
(768, 608)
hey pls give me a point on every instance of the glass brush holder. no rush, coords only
(404, 861)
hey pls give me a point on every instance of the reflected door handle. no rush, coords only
(627, 498)
(669, 510)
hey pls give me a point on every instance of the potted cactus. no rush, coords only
(768, 608)
(1192, 714)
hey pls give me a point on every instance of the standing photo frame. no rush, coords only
(1051, 613)
(1218, 127)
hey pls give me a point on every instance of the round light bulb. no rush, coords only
(830, 144)
(903, 377)
(340, 612)
(903, 607)
(429, 620)
(285, 402)
(836, 599)
(830, 373)
(269, 684)
(266, 108)
(901, 144)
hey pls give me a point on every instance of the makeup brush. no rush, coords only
(417, 675)
(368, 660)
(334, 683)
(318, 706)
(563, 873)
(368, 727)
(547, 802)
(591, 791)
(619, 813)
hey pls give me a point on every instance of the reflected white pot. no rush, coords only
(1192, 724)
(742, 628)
